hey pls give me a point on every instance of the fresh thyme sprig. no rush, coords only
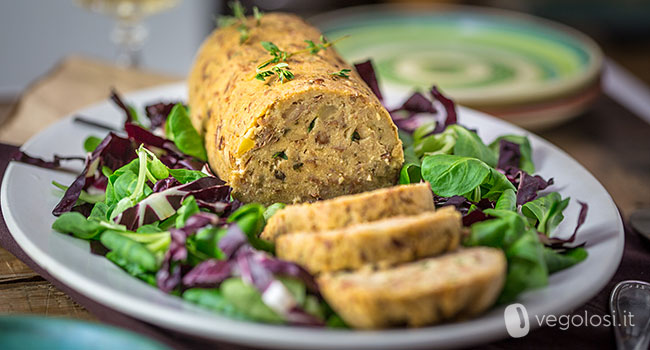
(343, 73)
(239, 17)
(281, 70)
(315, 48)
(279, 56)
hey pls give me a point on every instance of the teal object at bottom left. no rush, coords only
(32, 332)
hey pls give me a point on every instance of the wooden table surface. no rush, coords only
(609, 141)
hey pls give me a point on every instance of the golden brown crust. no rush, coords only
(453, 286)
(386, 242)
(343, 211)
(238, 114)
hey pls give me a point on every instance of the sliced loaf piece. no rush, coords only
(453, 286)
(348, 210)
(388, 241)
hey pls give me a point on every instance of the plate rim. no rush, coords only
(277, 336)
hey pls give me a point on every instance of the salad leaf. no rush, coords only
(272, 209)
(209, 273)
(129, 112)
(450, 109)
(250, 218)
(526, 266)
(186, 175)
(248, 300)
(132, 269)
(129, 250)
(76, 224)
(367, 73)
(410, 173)
(187, 209)
(20, 156)
(507, 201)
(521, 157)
(451, 175)
(529, 185)
(113, 152)
(213, 299)
(546, 211)
(179, 129)
(161, 205)
(556, 261)
(157, 114)
(468, 144)
(91, 143)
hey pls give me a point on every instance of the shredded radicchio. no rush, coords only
(560, 244)
(157, 114)
(117, 99)
(450, 109)
(529, 185)
(209, 192)
(23, 157)
(463, 205)
(113, 152)
(509, 155)
(255, 267)
(367, 73)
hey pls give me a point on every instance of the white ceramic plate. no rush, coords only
(27, 199)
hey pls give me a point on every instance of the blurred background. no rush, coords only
(36, 34)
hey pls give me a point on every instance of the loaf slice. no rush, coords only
(453, 286)
(347, 210)
(388, 241)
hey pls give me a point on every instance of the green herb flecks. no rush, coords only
(280, 154)
(281, 57)
(316, 48)
(280, 69)
(343, 73)
(355, 136)
(239, 17)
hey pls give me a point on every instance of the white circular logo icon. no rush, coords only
(517, 323)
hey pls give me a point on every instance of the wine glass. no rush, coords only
(129, 33)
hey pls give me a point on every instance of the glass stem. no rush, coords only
(129, 36)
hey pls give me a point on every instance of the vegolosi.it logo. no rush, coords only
(516, 318)
(518, 323)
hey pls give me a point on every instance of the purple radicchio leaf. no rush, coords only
(142, 135)
(117, 99)
(562, 244)
(404, 117)
(209, 273)
(158, 113)
(172, 157)
(113, 152)
(170, 274)
(463, 205)
(367, 73)
(274, 294)
(529, 185)
(208, 191)
(259, 269)
(450, 109)
(22, 157)
(509, 155)
(164, 184)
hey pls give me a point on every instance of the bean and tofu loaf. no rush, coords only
(450, 287)
(387, 242)
(402, 200)
(317, 136)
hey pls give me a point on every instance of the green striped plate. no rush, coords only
(478, 56)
